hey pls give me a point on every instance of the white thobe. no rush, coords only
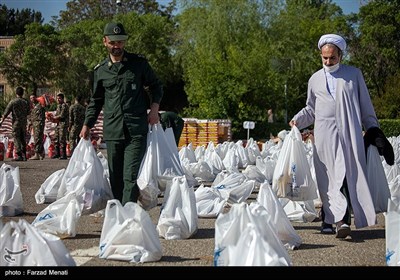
(338, 134)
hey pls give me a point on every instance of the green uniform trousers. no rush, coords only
(124, 159)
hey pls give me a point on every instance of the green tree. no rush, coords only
(78, 10)
(149, 35)
(376, 50)
(387, 106)
(12, 22)
(225, 58)
(238, 56)
(295, 33)
(30, 61)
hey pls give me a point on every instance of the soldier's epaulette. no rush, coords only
(101, 63)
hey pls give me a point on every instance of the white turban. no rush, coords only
(332, 39)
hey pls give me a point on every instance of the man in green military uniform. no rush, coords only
(20, 109)
(76, 119)
(119, 82)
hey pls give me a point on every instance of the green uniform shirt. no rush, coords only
(119, 88)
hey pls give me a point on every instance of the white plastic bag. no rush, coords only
(147, 178)
(209, 202)
(377, 181)
(278, 218)
(46, 143)
(24, 245)
(11, 202)
(84, 175)
(392, 232)
(243, 226)
(235, 187)
(128, 234)
(292, 175)
(252, 249)
(160, 164)
(61, 217)
(47, 193)
(178, 218)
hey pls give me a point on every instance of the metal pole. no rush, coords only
(286, 113)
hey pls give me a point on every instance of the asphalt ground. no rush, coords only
(364, 249)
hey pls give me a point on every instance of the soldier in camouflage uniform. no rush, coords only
(38, 120)
(61, 118)
(20, 109)
(76, 119)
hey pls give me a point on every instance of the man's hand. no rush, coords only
(292, 123)
(153, 117)
(85, 132)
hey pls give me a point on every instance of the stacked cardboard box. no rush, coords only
(201, 132)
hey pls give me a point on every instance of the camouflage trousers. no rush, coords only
(38, 133)
(61, 136)
(74, 138)
(19, 135)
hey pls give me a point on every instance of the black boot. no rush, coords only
(24, 155)
(56, 152)
(19, 157)
(63, 154)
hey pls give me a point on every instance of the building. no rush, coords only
(5, 88)
(5, 42)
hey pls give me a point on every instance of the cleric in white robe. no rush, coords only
(339, 105)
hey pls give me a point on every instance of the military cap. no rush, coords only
(115, 31)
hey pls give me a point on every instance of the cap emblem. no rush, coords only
(117, 30)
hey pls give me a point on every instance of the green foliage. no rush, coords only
(388, 104)
(83, 47)
(390, 127)
(235, 59)
(79, 10)
(225, 58)
(29, 62)
(295, 33)
(12, 22)
(377, 49)
(4, 102)
(151, 36)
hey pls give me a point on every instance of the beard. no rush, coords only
(116, 52)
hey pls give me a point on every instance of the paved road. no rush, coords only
(366, 247)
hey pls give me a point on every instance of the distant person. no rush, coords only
(119, 89)
(76, 119)
(38, 118)
(19, 108)
(339, 106)
(173, 120)
(61, 118)
(32, 98)
(270, 116)
(32, 102)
